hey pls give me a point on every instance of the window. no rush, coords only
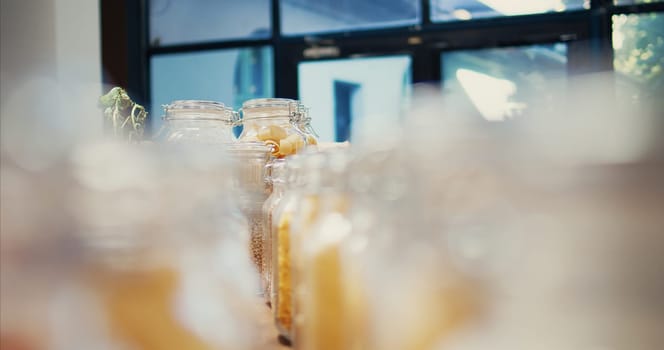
(500, 83)
(230, 76)
(192, 21)
(638, 45)
(633, 2)
(344, 94)
(306, 16)
(331, 53)
(454, 10)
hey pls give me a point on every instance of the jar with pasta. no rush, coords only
(273, 121)
(320, 268)
(308, 208)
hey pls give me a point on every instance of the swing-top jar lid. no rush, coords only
(270, 107)
(199, 110)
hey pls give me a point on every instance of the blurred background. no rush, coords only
(348, 60)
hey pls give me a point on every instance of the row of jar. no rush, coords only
(283, 124)
(387, 247)
(272, 128)
(336, 279)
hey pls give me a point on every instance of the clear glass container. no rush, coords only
(320, 269)
(282, 218)
(200, 122)
(276, 178)
(133, 248)
(250, 161)
(305, 211)
(274, 122)
(176, 274)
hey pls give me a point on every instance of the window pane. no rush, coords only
(228, 76)
(632, 2)
(346, 94)
(455, 10)
(638, 46)
(504, 83)
(306, 16)
(189, 21)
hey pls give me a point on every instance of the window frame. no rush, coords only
(588, 33)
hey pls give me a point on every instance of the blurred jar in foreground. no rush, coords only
(277, 178)
(191, 121)
(319, 266)
(144, 251)
(173, 274)
(37, 252)
(562, 235)
(282, 219)
(305, 210)
(249, 161)
(593, 257)
(403, 290)
(273, 121)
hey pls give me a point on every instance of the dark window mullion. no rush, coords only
(425, 10)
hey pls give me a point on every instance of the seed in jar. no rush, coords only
(311, 140)
(256, 244)
(271, 132)
(283, 310)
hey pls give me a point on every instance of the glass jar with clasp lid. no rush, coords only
(274, 122)
(198, 122)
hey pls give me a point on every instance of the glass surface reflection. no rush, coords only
(634, 2)
(344, 95)
(455, 10)
(503, 83)
(189, 21)
(306, 16)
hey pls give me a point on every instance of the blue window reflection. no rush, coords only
(191, 21)
(307, 16)
(456, 10)
(350, 94)
(504, 83)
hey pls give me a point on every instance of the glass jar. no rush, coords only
(177, 275)
(320, 269)
(305, 211)
(250, 161)
(281, 267)
(276, 178)
(191, 121)
(167, 272)
(273, 121)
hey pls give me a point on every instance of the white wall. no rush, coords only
(50, 70)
